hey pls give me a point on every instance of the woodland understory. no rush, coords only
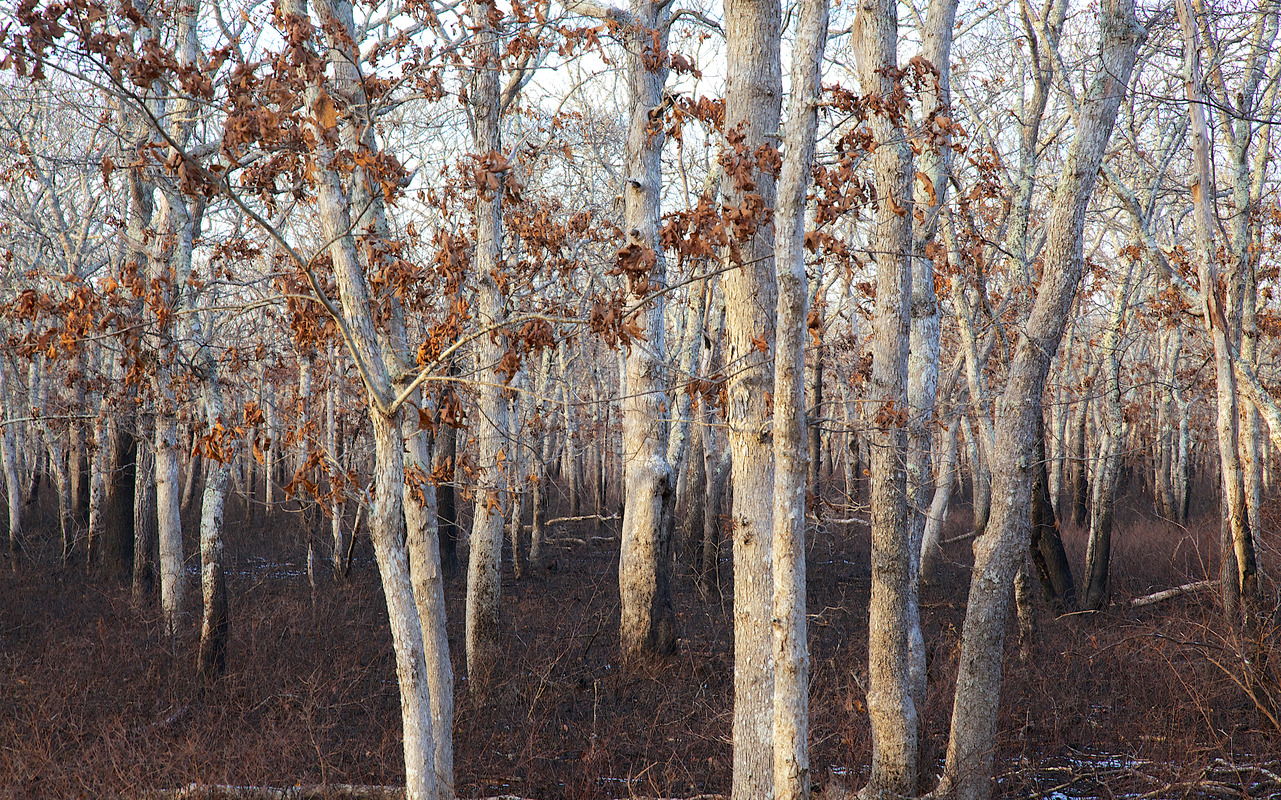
(554, 398)
(1124, 702)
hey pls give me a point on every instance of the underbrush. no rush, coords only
(95, 703)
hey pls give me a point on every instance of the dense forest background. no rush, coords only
(568, 400)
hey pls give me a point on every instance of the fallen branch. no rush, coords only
(1167, 594)
(197, 791)
(964, 537)
(584, 518)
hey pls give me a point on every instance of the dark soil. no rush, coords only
(94, 703)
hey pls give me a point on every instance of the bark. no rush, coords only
(718, 474)
(53, 447)
(1048, 556)
(1079, 479)
(357, 326)
(648, 621)
(8, 455)
(791, 650)
(571, 468)
(692, 505)
(539, 484)
(891, 697)
(337, 537)
(215, 620)
(945, 479)
(483, 641)
(144, 526)
(814, 404)
(190, 482)
(998, 553)
(101, 455)
(516, 477)
(116, 551)
(1106, 481)
(444, 457)
(753, 99)
(421, 516)
(386, 524)
(1239, 578)
(923, 351)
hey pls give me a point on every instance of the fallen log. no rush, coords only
(1169, 594)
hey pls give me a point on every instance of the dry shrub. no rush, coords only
(96, 704)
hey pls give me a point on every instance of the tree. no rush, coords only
(999, 553)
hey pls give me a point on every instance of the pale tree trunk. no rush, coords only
(980, 449)
(891, 702)
(1111, 443)
(540, 487)
(571, 468)
(421, 516)
(1003, 548)
(483, 641)
(753, 100)
(944, 480)
(678, 440)
(791, 650)
(99, 463)
(516, 476)
(357, 326)
(1080, 484)
(337, 538)
(693, 489)
(715, 467)
(215, 621)
(1167, 429)
(8, 454)
(1238, 576)
(923, 351)
(272, 455)
(648, 622)
(79, 456)
(57, 463)
(167, 457)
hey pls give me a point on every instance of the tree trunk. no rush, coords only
(144, 524)
(421, 515)
(1079, 480)
(1051, 561)
(791, 650)
(1111, 443)
(444, 458)
(1000, 551)
(648, 624)
(540, 487)
(571, 470)
(891, 703)
(8, 454)
(484, 586)
(516, 478)
(944, 480)
(1238, 578)
(753, 100)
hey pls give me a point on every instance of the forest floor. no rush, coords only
(95, 703)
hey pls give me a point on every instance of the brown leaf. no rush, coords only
(325, 111)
